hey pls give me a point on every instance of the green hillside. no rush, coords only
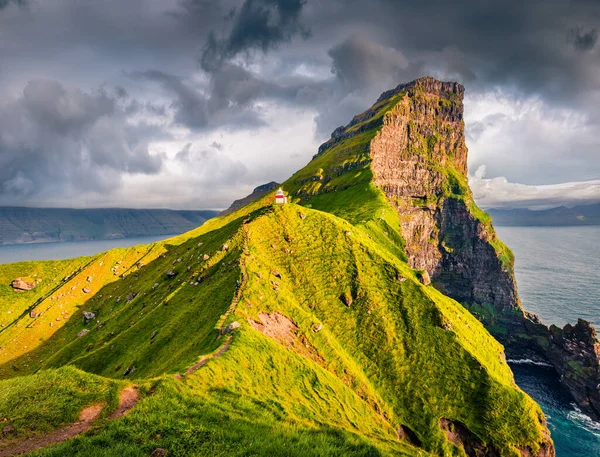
(292, 330)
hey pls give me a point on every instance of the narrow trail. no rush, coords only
(232, 307)
(214, 355)
(128, 398)
(238, 292)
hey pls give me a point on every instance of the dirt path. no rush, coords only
(203, 361)
(127, 400)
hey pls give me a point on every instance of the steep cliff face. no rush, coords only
(575, 351)
(419, 160)
(408, 152)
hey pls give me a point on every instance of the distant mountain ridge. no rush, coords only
(255, 195)
(20, 225)
(560, 216)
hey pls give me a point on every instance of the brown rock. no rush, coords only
(21, 285)
(159, 452)
(424, 277)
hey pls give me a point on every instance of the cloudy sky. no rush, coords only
(192, 103)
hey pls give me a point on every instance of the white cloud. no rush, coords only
(499, 192)
(526, 140)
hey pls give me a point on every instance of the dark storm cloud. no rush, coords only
(582, 40)
(224, 64)
(256, 25)
(56, 140)
(227, 101)
(5, 3)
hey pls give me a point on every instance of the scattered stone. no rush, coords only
(424, 277)
(200, 244)
(317, 327)
(128, 370)
(159, 452)
(20, 285)
(349, 233)
(153, 334)
(8, 430)
(88, 316)
(225, 247)
(89, 279)
(170, 273)
(130, 297)
(155, 286)
(33, 313)
(276, 274)
(231, 327)
(83, 332)
(346, 299)
(401, 278)
(86, 290)
(302, 216)
(205, 257)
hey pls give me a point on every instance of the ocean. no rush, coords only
(558, 275)
(58, 251)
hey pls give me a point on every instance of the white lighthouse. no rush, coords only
(280, 197)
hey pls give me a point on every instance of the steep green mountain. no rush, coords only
(297, 330)
(41, 225)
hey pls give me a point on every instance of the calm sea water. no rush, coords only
(59, 251)
(558, 274)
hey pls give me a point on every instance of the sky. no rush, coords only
(193, 103)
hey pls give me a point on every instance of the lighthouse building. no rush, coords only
(280, 197)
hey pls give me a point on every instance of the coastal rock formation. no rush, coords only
(575, 353)
(419, 160)
(411, 146)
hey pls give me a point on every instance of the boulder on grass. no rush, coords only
(21, 285)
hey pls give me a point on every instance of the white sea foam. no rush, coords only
(529, 362)
(583, 420)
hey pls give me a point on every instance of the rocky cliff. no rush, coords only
(411, 146)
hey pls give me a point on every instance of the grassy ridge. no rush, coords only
(33, 405)
(400, 354)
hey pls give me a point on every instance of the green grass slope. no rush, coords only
(339, 344)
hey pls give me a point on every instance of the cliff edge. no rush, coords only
(409, 147)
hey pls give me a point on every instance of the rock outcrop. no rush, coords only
(575, 353)
(22, 285)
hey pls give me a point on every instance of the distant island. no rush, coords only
(561, 216)
(20, 225)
